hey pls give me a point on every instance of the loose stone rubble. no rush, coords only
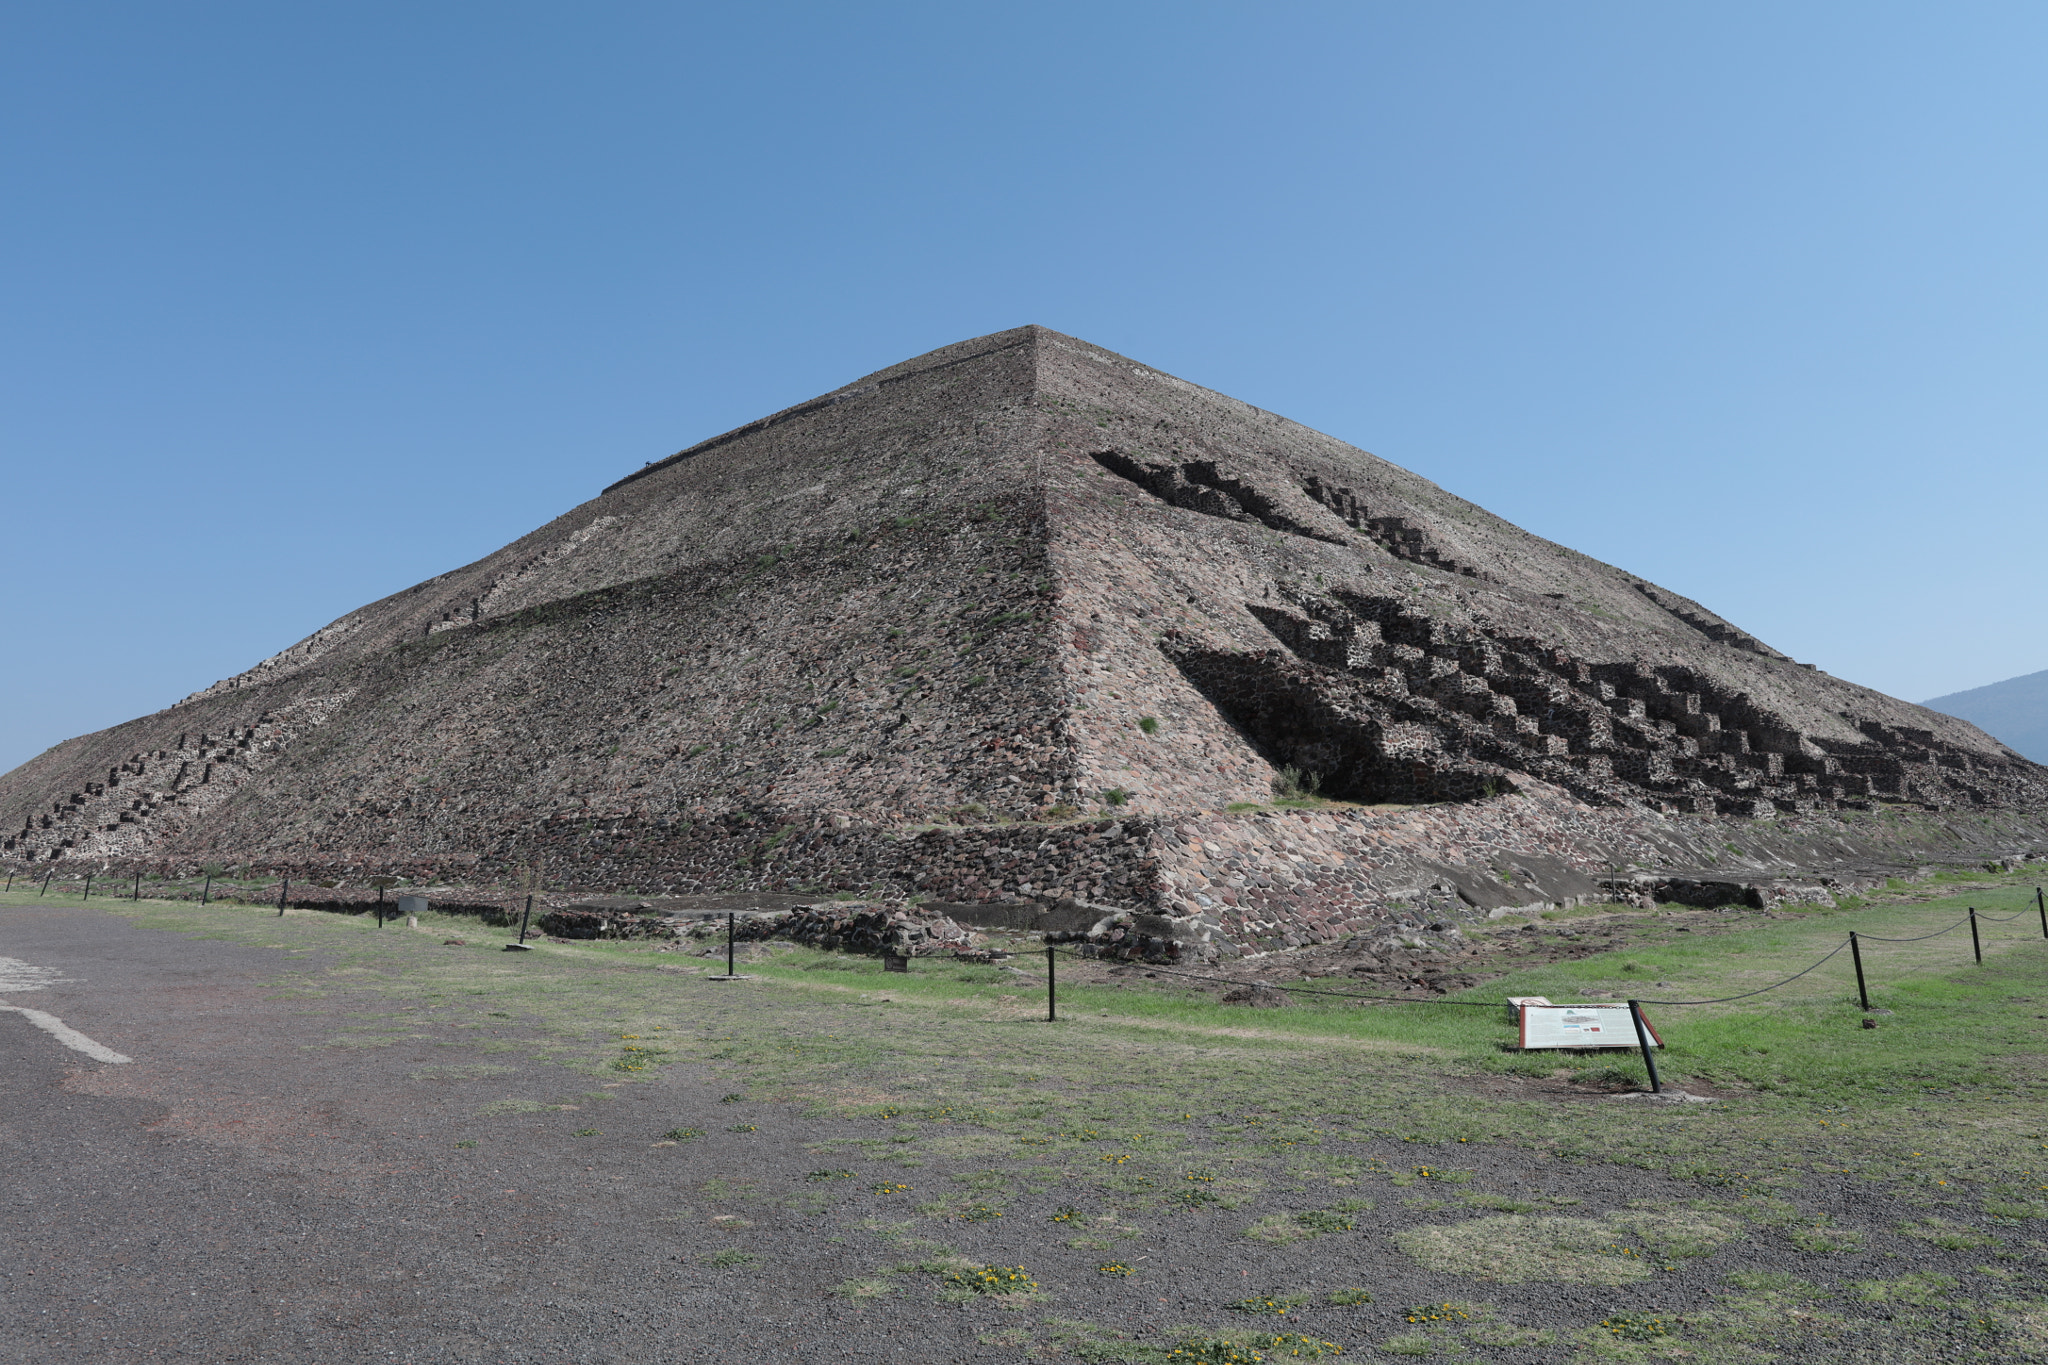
(1021, 623)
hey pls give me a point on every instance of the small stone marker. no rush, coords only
(894, 962)
(1578, 1026)
(412, 907)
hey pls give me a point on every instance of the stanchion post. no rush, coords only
(525, 918)
(1051, 995)
(1976, 944)
(138, 886)
(282, 891)
(206, 892)
(731, 920)
(1856, 952)
(46, 883)
(1635, 1014)
(88, 886)
(2042, 906)
(10, 879)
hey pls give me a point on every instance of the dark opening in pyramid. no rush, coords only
(1020, 579)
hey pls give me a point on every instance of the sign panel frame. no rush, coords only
(1579, 1028)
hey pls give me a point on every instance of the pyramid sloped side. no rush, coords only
(1019, 578)
(905, 442)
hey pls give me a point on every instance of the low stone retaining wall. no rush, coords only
(1243, 881)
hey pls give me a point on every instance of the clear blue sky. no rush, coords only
(304, 303)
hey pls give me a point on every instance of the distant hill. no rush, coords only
(2015, 711)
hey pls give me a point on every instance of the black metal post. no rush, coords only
(1635, 1014)
(138, 886)
(1976, 944)
(282, 891)
(2042, 906)
(88, 886)
(731, 920)
(46, 883)
(1051, 995)
(523, 919)
(206, 892)
(10, 879)
(1856, 952)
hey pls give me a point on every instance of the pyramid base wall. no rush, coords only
(1242, 881)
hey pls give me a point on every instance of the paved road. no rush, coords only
(240, 1192)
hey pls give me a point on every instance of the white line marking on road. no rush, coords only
(67, 1035)
(16, 975)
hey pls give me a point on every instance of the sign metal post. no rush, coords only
(1635, 1014)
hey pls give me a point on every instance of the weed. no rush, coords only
(683, 1134)
(1116, 796)
(1949, 1236)
(1344, 1298)
(1066, 1215)
(1438, 1173)
(588, 1132)
(1149, 724)
(731, 1258)
(890, 1187)
(2008, 1210)
(1292, 784)
(1277, 1304)
(1277, 1228)
(1515, 1248)
(1249, 1350)
(981, 1213)
(1635, 1326)
(992, 1279)
(1924, 1288)
(1500, 1203)
(1775, 1283)
(816, 1176)
(859, 1289)
(742, 1128)
(1320, 1221)
(1115, 1268)
(1436, 1312)
(1823, 1240)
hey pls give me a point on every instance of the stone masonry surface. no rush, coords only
(1024, 620)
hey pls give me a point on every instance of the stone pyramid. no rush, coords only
(1012, 584)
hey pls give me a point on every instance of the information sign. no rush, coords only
(1580, 1026)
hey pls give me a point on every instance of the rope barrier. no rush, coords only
(1876, 938)
(1487, 1004)
(1303, 990)
(1721, 1000)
